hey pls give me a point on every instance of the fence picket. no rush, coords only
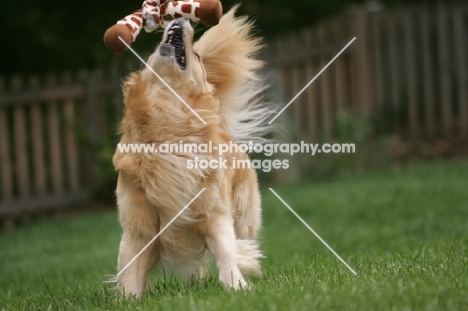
(410, 66)
(325, 88)
(20, 144)
(428, 74)
(53, 127)
(312, 91)
(395, 80)
(444, 68)
(296, 85)
(93, 86)
(37, 141)
(363, 59)
(376, 23)
(461, 52)
(283, 76)
(5, 153)
(70, 139)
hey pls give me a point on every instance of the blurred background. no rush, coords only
(399, 93)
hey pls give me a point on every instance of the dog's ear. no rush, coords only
(228, 53)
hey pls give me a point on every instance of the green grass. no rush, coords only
(405, 233)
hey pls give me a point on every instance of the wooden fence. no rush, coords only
(50, 131)
(407, 69)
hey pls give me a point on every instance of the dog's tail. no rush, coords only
(248, 255)
(229, 52)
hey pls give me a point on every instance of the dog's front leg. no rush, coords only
(134, 280)
(221, 241)
(140, 224)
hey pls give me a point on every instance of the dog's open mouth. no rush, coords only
(174, 45)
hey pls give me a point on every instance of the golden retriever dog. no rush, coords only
(217, 77)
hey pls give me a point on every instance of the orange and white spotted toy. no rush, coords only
(156, 13)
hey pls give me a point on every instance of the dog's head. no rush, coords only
(176, 61)
(220, 61)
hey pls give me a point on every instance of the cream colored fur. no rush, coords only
(152, 188)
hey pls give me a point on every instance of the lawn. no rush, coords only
(405, 233)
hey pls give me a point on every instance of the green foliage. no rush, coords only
(105, 147)
(353, 127)
(371, 150)
(403, 232)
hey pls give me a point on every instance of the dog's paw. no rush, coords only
(233, 280)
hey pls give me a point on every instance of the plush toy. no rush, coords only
(157, 13)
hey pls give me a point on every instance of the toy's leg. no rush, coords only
(134, 22)
(151, 14)
(207, 12)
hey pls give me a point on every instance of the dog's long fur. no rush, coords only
(153, 188)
